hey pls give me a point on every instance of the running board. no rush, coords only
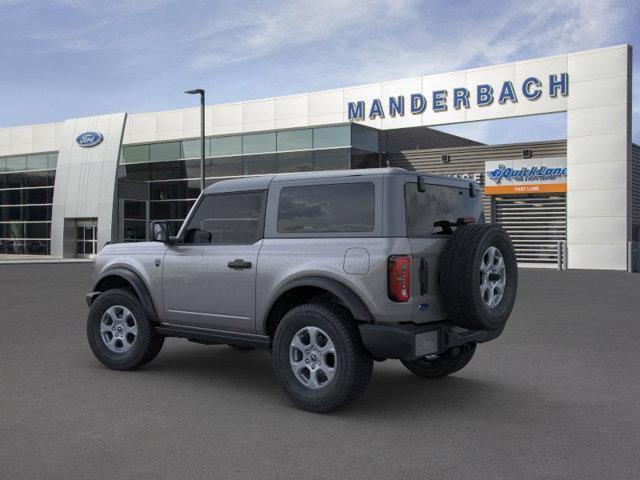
(212, 337)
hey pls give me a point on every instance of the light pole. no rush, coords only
(200, 92)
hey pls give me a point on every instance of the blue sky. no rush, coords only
(71, 58)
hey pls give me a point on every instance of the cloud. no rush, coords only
(262, 48)
(288, 25)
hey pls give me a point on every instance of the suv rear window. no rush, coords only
(335, 208)
(436, 203)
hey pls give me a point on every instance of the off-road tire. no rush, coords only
(354, 365)
(460, 277)
(148, 342)
(442, 366)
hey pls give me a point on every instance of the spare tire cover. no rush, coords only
(478, 277)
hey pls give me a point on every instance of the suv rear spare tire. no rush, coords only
(478, 277)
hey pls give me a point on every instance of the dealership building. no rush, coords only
(68, 188)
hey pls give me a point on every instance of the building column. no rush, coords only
(599, 158)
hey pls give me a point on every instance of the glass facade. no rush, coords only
(26, 198)
(169, 172)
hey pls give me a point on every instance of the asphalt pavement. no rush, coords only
(556, 396)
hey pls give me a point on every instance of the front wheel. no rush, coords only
(319, 358)
(120, 334)
(444, 365)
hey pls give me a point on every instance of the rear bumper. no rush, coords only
(410, 341)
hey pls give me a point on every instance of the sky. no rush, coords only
(72, 58)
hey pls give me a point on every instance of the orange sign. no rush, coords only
(527, 188)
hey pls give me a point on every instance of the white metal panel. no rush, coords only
(404, 88)
(142, 124)
(598, 230)
(447, 82)
(585, 150)
(540, 69)
(598, 93)
(294, 106)
(326, 105)
(597, 203)
(44, 133)
(5, 137)
(227, 118)
(597, 120)
(21, 135)
(598, 256)
(598, 63)
(258, 115)
(366, 93)
(597, 176)
(494, 76)
(170, 121)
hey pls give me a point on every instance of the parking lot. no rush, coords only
(557, 396)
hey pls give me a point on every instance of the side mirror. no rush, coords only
(159, 232)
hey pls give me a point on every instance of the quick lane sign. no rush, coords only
(526, 176)
(482, 95)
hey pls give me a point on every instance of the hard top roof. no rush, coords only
(261, 182)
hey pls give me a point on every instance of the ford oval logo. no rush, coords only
(89, 139)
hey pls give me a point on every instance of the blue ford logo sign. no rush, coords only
(89, 139)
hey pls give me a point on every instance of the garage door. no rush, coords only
(535, 224)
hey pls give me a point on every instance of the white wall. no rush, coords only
(86, 178)
(30, 139)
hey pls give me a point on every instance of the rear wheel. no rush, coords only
(319, 358)
(119, 332)
(444, 365)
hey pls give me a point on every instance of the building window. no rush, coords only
(338, 159)
(172, 169)
(332, 137)
(364, 138)
(259, 143)
(295, 162)
(26, 197)
(135, 153)
(259, 164)
(295, 140)
(162, 152)
(224, 146)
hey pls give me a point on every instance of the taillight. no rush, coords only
(399, 278)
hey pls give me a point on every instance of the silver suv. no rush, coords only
(328, 271)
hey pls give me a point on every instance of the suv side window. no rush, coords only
(227, 219)
(330, 208)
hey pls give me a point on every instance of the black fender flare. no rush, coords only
(347, 296)
(136, 282)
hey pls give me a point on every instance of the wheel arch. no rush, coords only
(121, 278)
(314, 285)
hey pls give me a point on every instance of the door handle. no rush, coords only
(239, 263)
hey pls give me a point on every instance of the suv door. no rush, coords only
(209, 274)
(446, 201)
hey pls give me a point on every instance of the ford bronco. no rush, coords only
(329, 271)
